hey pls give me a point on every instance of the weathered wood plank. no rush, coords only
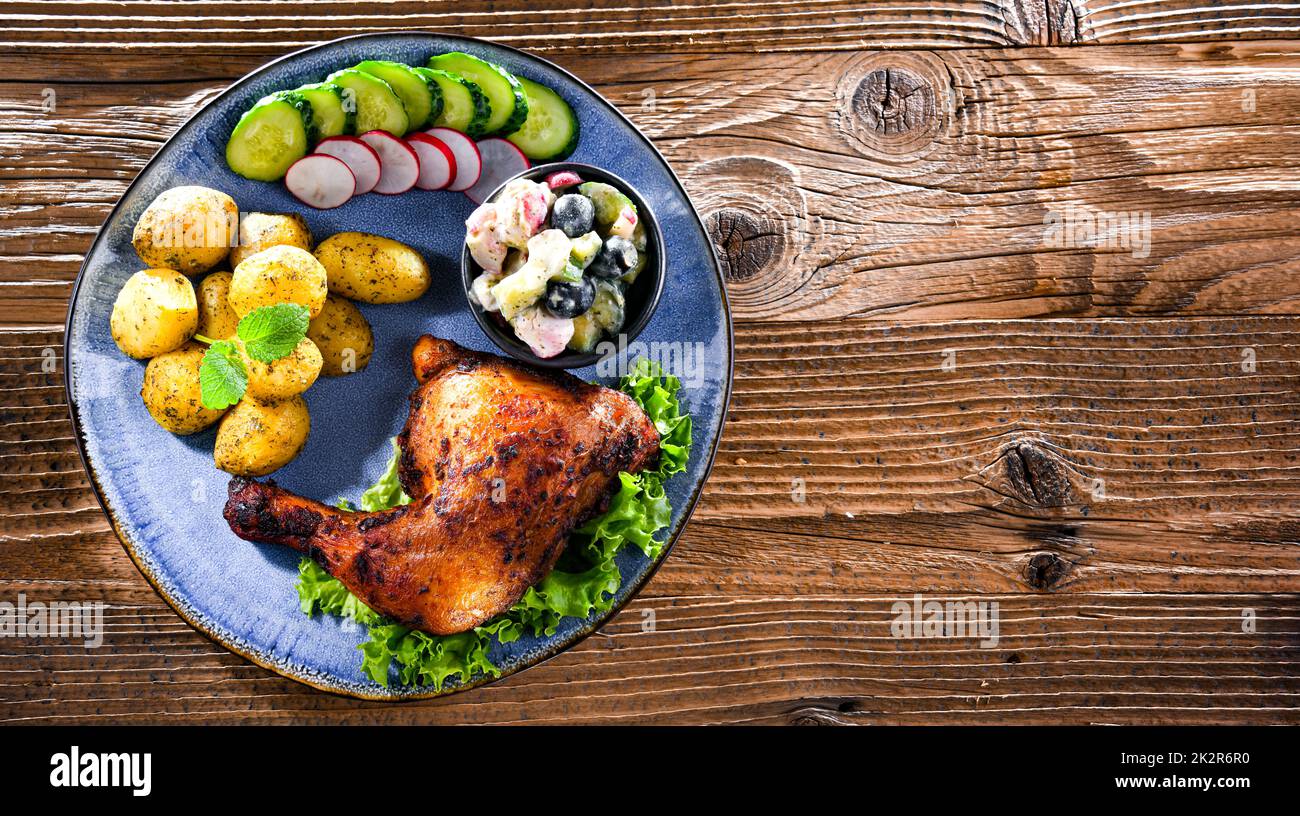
(569, 27)
(1160, 21)
(1124, 489)
(996, 456)
(973, 478)
(1034, 182)
(708, 658)
(1168, 414)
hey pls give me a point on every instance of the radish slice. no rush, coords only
(360, 158)
(320, 181)
(437, 162)
(501, 160)
(399, 167)
(468, 163)
(563, 178)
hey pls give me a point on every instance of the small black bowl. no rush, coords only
(640, 299)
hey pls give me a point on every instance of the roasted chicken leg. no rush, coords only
(502, 462)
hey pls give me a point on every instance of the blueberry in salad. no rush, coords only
(573, 214)
(568, 299)
(556, 268)
(617, 257)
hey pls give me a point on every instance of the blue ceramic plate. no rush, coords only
(162, 493)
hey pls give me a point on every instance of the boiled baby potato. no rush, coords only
(259, 231)
(280, 274)
(373, 269)
(343, 336)
(217, 320)
(255, 438)
(286, 377)
(171, 391)
(189, 229)
(156, 312)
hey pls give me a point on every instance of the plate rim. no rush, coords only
(550, 650)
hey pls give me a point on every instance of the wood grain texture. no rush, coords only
(1179, 659)
(932, 394)
(974, 483)
(914, 185)
(565, 26)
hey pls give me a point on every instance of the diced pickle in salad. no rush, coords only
(556, 257)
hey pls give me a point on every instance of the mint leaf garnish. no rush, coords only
(272, 332)
(222, 378)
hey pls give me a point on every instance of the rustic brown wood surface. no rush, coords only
(932, 395)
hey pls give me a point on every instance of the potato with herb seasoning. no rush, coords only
(217, 320)
(286, 377)
(189, 229)
(171, 391)
(373, 269)
(155, 312)
(280, 274)
(343, 336)
(256, 438)
(259, 231)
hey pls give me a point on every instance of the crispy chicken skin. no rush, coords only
(502, 462)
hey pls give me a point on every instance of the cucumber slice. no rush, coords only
(464, 105)
(376, 105)
(607, 310)
(585, 249)
(270, 137)
(328, 115)
(416, 92)
(586, 331)
(551, 130)
(608, 200)
(505, 94)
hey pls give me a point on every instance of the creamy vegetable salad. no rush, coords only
(557, 257)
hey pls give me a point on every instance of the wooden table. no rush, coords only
(941, 386)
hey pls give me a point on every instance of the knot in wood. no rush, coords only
(813, 717)
(1040, 22)
(894, 106)
(1045, 570)
(894, 101)
(1037, 477)
(756, 214)
(746, 243)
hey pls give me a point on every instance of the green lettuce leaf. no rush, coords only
(423, 659)
(566, 594)
(585, 581)
(638, 510)
(656, 392)
(318, 591)
(387, 492)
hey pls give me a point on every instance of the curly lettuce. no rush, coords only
(584, 581)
